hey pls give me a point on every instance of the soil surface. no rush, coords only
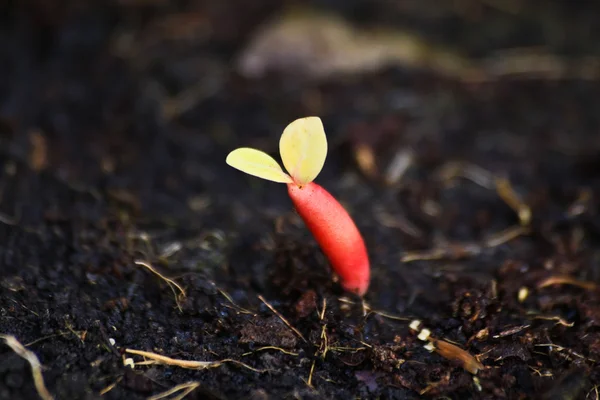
(122, 228)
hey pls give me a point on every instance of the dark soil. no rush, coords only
(100, 169)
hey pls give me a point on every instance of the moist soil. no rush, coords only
(114, 190)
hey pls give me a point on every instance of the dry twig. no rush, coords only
(184, 388)
(111, 386)
(456, 169)
(284, 351)
(566, 280)
(514, 201)
(296, 331)
(172, 284)
(233, 304)
(188, 364)
(368, 310)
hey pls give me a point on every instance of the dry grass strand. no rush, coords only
(34, 362)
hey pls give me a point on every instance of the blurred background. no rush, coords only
(151, 95)
(144, 99)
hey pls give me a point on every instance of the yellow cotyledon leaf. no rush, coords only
(303, 148)
(257, 163)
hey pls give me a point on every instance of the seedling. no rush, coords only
(303, 149)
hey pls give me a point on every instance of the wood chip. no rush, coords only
(458, 355)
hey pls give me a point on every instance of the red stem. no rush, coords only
(336, 233)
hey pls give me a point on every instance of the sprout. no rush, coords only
(303, 149)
